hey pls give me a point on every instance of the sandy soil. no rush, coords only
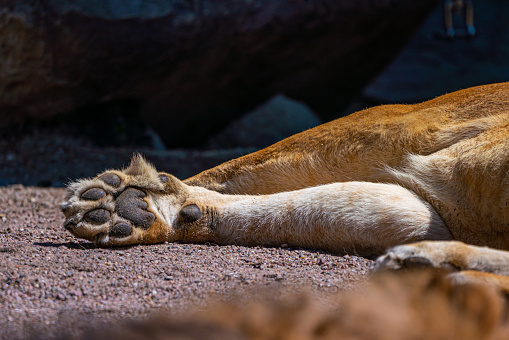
(51, 281)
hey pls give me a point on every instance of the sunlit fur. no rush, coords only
(381, 177)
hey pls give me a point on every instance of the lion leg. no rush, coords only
(471, 264)
(475, 277)
(352, 217)
(141, 205)
(452, 255)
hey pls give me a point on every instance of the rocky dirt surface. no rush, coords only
(51, 282)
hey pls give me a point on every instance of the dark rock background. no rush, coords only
(267, 124)
(190, 67)
(430, 66)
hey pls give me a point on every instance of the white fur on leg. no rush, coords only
(359, 217)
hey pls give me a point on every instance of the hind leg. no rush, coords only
(453, 255)
(471, 264)
(475, 277)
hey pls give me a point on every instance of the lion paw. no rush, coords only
(120, 207)
(432, 254)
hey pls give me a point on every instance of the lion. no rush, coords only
(411, 305)
(418, 185)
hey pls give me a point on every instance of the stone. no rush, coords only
(189, 67)
(271, 122)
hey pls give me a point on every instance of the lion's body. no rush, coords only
(453, 151)
(378, 178)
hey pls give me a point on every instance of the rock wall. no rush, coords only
(192, 66)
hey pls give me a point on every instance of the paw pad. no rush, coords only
(98, 216)
(416, 262)
(121, 230)
(111, 179)
(103, 213)
(189, 214)
(93, 194)
(130, 205)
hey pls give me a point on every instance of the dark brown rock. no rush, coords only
(189, 67)
(267, 124)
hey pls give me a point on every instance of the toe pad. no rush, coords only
(121, 230)
(93, 194)
(111, 179)
(97, 216)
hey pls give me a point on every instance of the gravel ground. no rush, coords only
(51, 281)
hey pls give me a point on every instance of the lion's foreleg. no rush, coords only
(352, 217)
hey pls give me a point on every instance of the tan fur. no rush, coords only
(378, 178)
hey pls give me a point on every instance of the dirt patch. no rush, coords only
(51, 281)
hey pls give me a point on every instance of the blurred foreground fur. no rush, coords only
(416, 305)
